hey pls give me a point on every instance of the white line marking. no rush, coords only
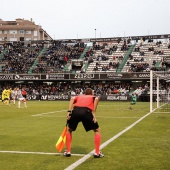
(100, 117)
(49, 113)
(53, 116)
(37, 153)
(83, 159)
(117, 117)
(161, 112)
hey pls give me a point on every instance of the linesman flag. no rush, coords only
(62, 140)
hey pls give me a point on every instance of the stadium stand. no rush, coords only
(108, 58)
(37, 60)
(57, 58)
(116, 56)
(18, 58)
(148, 56)
(121, 66)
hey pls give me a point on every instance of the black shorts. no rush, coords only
(6, 98)
(25, 96)
(84, 115)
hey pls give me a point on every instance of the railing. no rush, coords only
(125, 58)
(37, 60)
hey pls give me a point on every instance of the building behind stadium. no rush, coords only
(22, 30)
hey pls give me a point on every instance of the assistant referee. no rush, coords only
(82, 108)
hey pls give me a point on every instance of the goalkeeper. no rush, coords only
(134, 99)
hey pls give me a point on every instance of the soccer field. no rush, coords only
(28, 137)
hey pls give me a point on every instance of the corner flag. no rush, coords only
(62, 140)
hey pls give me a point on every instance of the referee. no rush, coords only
(82, 108)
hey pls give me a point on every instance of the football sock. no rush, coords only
(7, 102)
(19, 103)
(97, 139)
(68, 141)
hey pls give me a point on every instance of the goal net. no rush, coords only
(160, 92)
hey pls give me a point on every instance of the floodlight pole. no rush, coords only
(95, 34)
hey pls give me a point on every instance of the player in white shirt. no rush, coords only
(14, 95)
(20, 98)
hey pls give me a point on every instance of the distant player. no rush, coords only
(24, 93)
(20, 98)
(8, 91)
(5, 97)
(134, 99)
(14, 95)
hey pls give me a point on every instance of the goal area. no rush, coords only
(159, 92)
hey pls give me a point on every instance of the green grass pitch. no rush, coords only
(35, 129)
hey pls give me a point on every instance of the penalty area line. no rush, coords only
(87, 156)
(48, 113)
(37, 153)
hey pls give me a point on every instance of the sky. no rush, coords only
(72, 19)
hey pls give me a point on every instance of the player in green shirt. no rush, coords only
(134, 99)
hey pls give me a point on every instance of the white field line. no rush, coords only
(53, 116)
(83, 159)
(111, 104)
(37, 153)
(107, 117)
(48, 113)
(158, 110)
(117, 117)
(161, 112)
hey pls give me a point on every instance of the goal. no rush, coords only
(159, 92)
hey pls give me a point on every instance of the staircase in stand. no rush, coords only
(122, 64)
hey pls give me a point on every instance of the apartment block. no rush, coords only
(22, 30)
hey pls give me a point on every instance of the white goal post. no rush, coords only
(159, 91)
